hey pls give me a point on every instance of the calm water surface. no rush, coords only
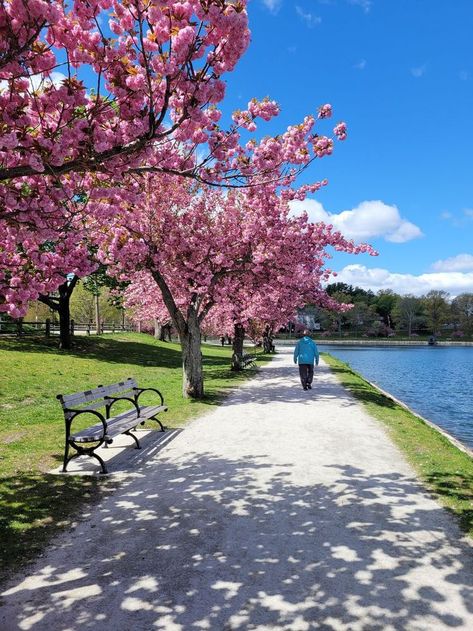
(436, 382)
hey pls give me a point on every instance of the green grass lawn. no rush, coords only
(35, 504)
(445, 470)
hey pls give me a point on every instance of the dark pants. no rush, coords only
(306, 373)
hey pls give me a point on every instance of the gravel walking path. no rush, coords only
(282, 509)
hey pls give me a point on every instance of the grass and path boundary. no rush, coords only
(35, 505)
(445, 470)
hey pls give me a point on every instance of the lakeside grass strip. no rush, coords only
(35, 505)
(445, 470)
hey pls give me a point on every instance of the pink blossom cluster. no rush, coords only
(72, 159)
(166, 60)
(232, 258)
(340, 131)
(325, 111)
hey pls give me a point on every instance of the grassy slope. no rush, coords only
(445, 470)
(34, 504)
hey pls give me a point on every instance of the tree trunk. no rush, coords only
(97, 314)
(165, 332)
(64, 312)
(192, 373)
(188, 329)
(158, 330)
(238, 338)
(61, 305)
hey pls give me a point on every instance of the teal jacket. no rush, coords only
(306, 351)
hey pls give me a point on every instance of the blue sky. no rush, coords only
(400, 73)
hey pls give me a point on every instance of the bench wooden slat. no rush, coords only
(115, 426)
(151, 410)
(118, 424)
(79, 399)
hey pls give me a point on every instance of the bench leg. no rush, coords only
(102, 463)
(154, 418)
(66, 457)
(128, 432)
(82, 452)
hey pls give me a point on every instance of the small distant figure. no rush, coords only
(432, 340)
(222, 340)
(306, 354)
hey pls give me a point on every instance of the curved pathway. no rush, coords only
(282, 509)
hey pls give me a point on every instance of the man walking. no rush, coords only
(306, 353)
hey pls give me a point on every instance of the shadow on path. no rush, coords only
(206, 545)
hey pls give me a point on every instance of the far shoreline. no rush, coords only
(374, 342)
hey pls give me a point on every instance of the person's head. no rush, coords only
(306, 332)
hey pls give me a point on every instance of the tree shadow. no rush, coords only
(35, 506)
(283, 385)
(208, 542)
(104, 349)
(458, 487)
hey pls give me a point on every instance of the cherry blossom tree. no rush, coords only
(111, 87)
(267, 297)
(200, 247)
(157, 69)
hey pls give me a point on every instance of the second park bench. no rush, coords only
(98, 404)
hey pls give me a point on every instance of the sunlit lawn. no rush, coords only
(33, 503)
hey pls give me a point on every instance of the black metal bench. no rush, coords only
(248, 360)
(239, 362)
(107, 427)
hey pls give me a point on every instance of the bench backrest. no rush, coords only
(93, 399)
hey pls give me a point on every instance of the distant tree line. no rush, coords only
(387, 313)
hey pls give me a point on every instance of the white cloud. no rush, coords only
(360, 65)
(418, 71)
(37, 81)
(364, 4)
(309, 18)
(446, 215)
(272, 5)
(460, 219)
(377, 278)
(459, 263)
(367, 220)
(54, 78)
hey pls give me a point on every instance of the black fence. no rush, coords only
(49, 327)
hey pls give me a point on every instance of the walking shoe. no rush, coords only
(309, 386)
(305, 387)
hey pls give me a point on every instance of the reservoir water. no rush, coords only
(434, 381)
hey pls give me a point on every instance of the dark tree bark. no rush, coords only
(188, 329)
(192, 372)
(61, 304)
(237, 346)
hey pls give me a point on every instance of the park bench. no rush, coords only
(248, 360)
(245, 360)
(98, 403)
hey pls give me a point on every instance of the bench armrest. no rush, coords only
(70, 414)
(139, 392)
(109, 401)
